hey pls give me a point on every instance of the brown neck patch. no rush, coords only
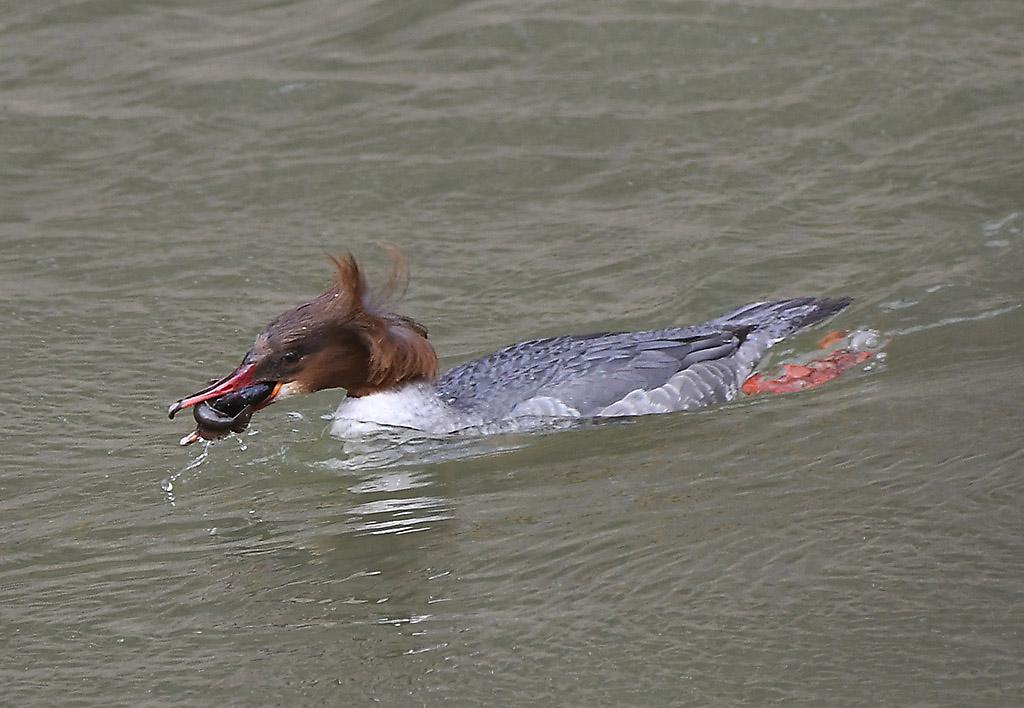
(397, 350)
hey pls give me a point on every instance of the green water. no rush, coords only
(173, 173)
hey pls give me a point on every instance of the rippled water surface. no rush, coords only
(173, 172)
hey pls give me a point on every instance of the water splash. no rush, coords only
(167, 483)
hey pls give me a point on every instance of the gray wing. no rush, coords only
(629, 373)
(582, 375)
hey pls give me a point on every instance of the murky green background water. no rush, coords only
(172, 173)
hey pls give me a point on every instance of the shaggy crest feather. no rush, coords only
(397, 345)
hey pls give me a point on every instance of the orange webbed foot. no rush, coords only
(856, 347)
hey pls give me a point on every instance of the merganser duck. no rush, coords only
(345, 338)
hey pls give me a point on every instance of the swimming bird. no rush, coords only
(348, 338)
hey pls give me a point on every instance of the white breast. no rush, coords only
(413, 406)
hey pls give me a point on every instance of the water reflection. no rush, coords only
(399, 515)
(390, 510)
(400, 449)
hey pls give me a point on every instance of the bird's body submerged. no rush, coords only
(590, 376)
(344, 339)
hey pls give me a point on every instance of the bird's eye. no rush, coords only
(290, 357)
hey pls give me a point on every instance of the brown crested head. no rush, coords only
(344, 338)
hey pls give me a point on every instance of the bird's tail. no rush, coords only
(762, 324)
(774, 321)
